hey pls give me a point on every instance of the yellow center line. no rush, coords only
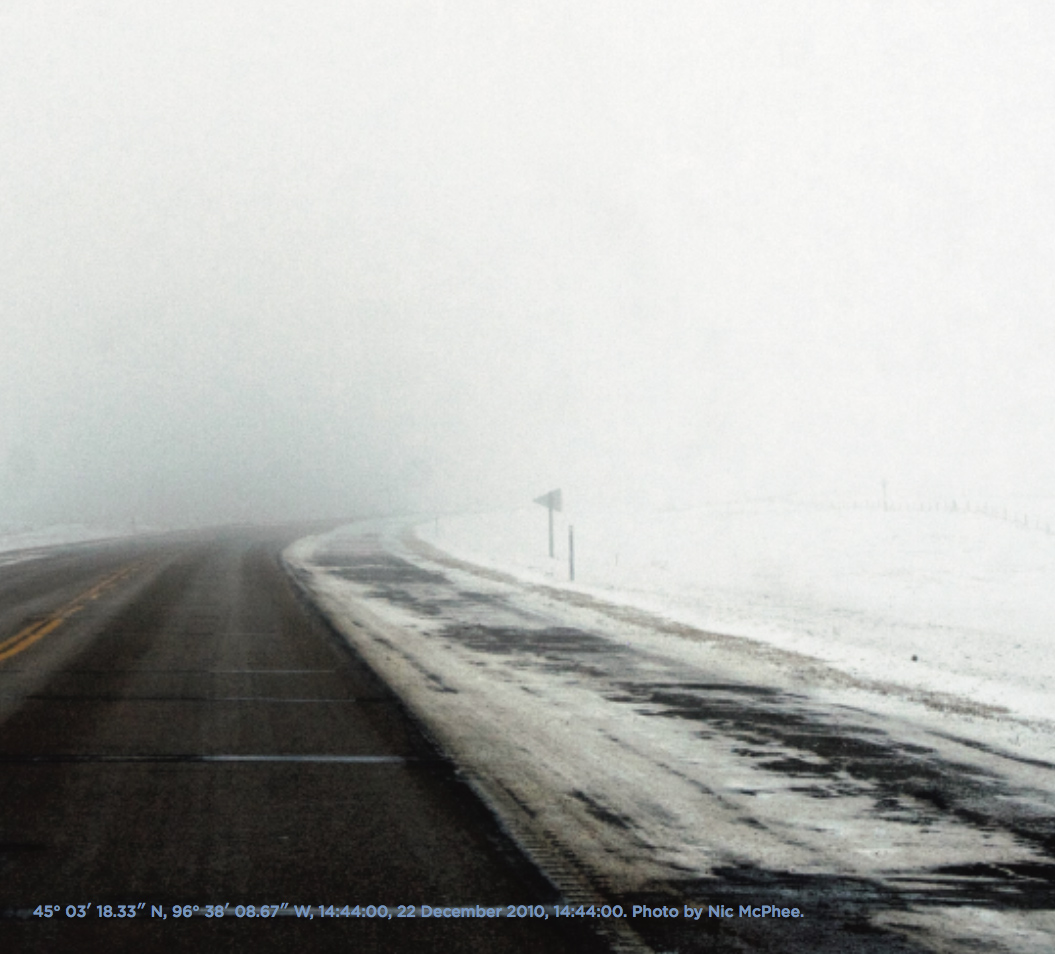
(28, 635)
(19, 635)
(33, 636)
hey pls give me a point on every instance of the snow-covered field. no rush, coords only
(954, 602)
(19, 545)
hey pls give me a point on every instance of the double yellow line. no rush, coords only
(28, 635)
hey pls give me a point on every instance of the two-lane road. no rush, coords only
(176, 728)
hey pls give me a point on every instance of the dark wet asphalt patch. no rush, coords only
(556, 642)
(836, 914)
(1027, 886)
(907, 783)
(837, 911)
(390, 571)
(775, 728)
(601, 813)
(400, 583)
(798, 768)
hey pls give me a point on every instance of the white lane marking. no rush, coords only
(107, 672)
(123, 699)
(341, 759)
(77, 758)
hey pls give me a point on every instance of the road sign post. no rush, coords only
(554, 500)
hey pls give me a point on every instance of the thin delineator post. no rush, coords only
(571, 553)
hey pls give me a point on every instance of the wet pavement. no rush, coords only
(192, 734)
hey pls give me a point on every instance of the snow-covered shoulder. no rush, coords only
(628, 749)
(17, 546)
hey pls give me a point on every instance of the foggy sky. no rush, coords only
(269, 260)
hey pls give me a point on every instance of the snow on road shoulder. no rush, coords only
(21, 545)
(960, 603)
(654, 754)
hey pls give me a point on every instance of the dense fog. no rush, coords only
(265, 260)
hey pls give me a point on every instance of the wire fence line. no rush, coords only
(1009, 515)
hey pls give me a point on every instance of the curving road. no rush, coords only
(177, 728)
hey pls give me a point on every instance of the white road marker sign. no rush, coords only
(554, 500)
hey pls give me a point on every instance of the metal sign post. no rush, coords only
(552, 501)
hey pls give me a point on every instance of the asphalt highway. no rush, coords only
(178, 729)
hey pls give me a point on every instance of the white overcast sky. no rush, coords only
(263, 260)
